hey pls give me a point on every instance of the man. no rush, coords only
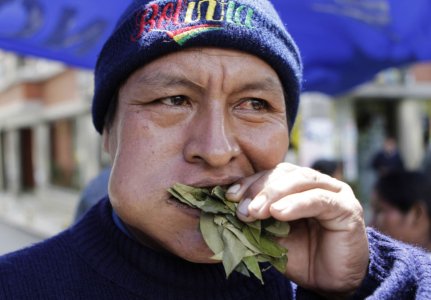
(205, 93)
(94, 191)
(388, 159)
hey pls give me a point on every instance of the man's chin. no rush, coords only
(192, 247)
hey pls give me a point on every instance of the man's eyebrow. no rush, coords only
(161, 79)
(268, 84)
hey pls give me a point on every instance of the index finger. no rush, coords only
(259, 193)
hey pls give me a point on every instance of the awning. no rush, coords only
(343, 42)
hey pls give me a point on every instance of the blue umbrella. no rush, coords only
(343, 42)
(66, 30)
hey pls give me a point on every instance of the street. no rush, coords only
(12, 238)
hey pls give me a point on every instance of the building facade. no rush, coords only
(352, 127)
(47, 140)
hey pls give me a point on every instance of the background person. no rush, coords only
(402, 207)
(388, 159)
(93, 192)
(329, 167)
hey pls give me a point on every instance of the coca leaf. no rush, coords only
(211, 233)
(240, 246)
(253, 266)
(233, 252)
(277, 228)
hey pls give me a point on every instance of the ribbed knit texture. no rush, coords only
(397, 270)
(95, 260)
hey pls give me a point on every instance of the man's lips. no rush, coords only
(212, 182)
(205, 183)
(184, 207)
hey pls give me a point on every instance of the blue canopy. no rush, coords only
(346, 42)
(343, 42)
(71, 31)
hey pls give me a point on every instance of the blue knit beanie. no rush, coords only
(148, 30)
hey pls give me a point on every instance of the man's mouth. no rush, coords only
(184, 207)
(211, 183)
(208, 184)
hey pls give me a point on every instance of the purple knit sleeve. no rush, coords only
(395, 271)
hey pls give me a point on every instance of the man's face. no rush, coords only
(202, 117)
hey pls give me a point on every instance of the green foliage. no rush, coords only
(240, 246)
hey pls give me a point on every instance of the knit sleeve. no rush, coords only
(395, 271)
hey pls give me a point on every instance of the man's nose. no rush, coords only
(211, 140)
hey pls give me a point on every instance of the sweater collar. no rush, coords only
(124, 261)
(120, 225)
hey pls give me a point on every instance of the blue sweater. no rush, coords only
(95, 260)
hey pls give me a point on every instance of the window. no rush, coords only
(64, 166)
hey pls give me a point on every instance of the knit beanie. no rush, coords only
(148, 30)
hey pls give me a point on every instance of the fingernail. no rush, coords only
(258, 202)
(233, 189)
(243, 207)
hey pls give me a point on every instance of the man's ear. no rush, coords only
(418, 212)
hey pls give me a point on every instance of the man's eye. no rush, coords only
(175, 101)
(254, 104)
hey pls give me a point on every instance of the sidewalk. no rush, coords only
(43, 213)
(13, 238)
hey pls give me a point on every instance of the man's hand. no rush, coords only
(328, 246)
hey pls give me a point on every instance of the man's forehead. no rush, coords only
(200, 56)
(185, 66)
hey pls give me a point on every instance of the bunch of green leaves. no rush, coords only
(240, 246)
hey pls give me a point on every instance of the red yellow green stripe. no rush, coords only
(184, 34)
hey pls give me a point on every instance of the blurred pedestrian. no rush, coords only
(402, 207)
(388, 159)
(94, 191)
(329, 167)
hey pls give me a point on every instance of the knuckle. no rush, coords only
(277, 187)
(325, 199)
(329, 200)
(310, 174)
(346, 187)
(359, 211)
